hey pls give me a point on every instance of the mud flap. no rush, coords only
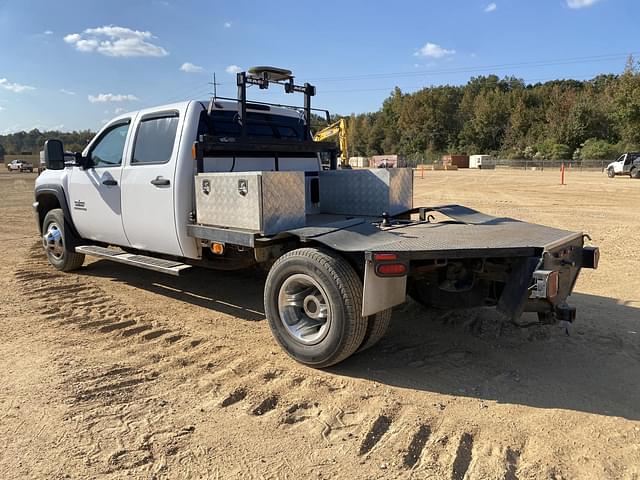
(381, 293)
(516, 291)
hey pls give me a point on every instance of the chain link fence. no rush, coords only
(532, 164)
(523, 164)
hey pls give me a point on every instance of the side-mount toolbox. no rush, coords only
(265, 202)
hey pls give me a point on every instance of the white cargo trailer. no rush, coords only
(477, 161)
(359, 162)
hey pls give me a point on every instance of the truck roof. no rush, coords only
(218, 105)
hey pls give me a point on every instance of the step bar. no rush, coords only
(171, 267)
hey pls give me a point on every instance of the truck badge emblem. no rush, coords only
(206, 187)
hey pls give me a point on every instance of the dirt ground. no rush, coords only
(115, 372)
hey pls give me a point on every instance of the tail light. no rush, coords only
(388, 265)
(385, 257)
(546, 284)
(391, 269)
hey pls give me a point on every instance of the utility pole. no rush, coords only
(215, 87)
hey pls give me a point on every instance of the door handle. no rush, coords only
(110, 182)
(160, 182)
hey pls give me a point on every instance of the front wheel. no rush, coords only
(313, 302)
(59, 254)
(610, 173)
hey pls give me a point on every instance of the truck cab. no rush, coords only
(133, 185)
(626, 164)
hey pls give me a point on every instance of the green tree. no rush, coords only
(596, 149)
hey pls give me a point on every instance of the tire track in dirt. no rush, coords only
(129, 429)
(120, 423)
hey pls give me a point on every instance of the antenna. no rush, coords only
(214, 94)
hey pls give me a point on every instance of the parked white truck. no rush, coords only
(626, 164)
(228, 184)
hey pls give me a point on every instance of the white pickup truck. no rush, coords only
(626, 164)
(229, 184)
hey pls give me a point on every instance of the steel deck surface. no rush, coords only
(468, 234)
(500, 234)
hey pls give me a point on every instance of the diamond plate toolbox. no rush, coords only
(266, 202)
(366, 192)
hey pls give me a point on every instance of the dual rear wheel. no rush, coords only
(313, 302)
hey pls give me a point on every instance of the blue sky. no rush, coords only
(75, 64)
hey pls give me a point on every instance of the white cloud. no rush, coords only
(118, 111)
(491, 7)
(68, 92)
(48, 32)
(14, 87)
(227, 24)
(110, 97)
(1, 108)
(434, 51)
(576, 4)
(233, 69)
(191, 68)
(72, 38)
(114, 41)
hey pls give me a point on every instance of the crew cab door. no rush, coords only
(94, 192)
(628, 162)
(148, 188)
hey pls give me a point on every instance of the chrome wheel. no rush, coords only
(303, 309)
(52, 241)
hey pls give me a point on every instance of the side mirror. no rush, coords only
(54, 154)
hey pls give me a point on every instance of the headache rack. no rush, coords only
(244, 144)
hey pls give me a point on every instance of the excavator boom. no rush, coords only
(337, 128)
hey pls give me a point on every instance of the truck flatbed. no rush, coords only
(468, 233)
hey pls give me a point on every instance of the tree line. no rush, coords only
(33, 141)
(505, 117)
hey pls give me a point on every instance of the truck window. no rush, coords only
(226, 122)
(108, 151)
(155, 139)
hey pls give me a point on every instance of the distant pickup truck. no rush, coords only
(626, 164)
(226, 185)
(20, 166)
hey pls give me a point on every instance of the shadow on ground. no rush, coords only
(468, 353)
(236, 293)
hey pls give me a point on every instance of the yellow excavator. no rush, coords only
(337, 128)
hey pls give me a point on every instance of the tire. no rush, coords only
(635, 172)
(377, 326)
(54, 241)
(610, 173)
(313, 302)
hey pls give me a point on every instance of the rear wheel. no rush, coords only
(313, 302)
(59, 254)
(377, 326)
(635, 172)
(611, 173)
